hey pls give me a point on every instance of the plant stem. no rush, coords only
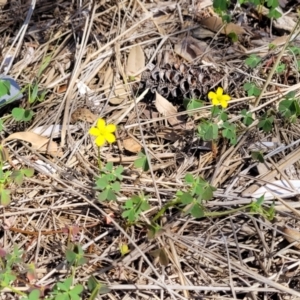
(164, 208)
(227, 212)
(99, 159)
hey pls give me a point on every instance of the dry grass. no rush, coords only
(241, 256)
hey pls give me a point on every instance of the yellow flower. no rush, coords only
(103, 133)
(124, 249)
(218, 98)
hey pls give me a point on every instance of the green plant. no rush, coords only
(289, 108)
(142, 161)
(75, 255)
(295, 50)
(252, 61)
(96, 288)
(208, 131)
(247, 117)
(271, 4)
(33, 295)
(257, 208)
(9, 177)
(134, 207)
(25, 115)
(108, 182)
(251, 89)
(8, 261)
(280, 68)
(266, 123)
(66, 291)
(33, 88)
(229, 132)
(4, 87)
(258, 155)
(191, 104)
(21, 114)
(190, 200)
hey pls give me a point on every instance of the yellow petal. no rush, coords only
(212, 95)
(101, 124)
(94, 131)
(223, 103)
(124, 249)
(215, 102)
(111, 128)
(225, 98)
(110, 137)
(219, 91)
(100, 141)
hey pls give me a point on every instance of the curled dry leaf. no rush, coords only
(190, 48)
(115, 89)
(164, 107)
(292, 235)
(83, 114)
(131, 145)
(135, 62)
(202, 33)
(279, 41)
(215, 24)
(38, 142)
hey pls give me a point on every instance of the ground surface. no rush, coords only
(85, 49)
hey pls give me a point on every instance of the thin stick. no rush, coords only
(291, 36)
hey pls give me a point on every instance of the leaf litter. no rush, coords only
(211, 257)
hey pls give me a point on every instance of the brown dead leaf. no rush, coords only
(215, 23)
(292, 235)
(119, 93)
(83, 114)
(167, 109)
(131, 145)
(202, 33)
(135, 62)
(38, 142)
(191, 48)
(3, 2)
(281, 40)
(62, 88)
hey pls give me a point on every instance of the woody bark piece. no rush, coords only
(284, 163)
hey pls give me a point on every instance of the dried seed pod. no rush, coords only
(173, 92)
(155, 74)
(163, 90)
(184, 86)
(200, 77)
(192, 80)
(176, 78)
(169, 75)
(162, 75)
(196, 93)
(153, 89)
(183, 68)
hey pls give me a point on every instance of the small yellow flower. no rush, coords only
(218, 98)
(124, 249)
(103, 133)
